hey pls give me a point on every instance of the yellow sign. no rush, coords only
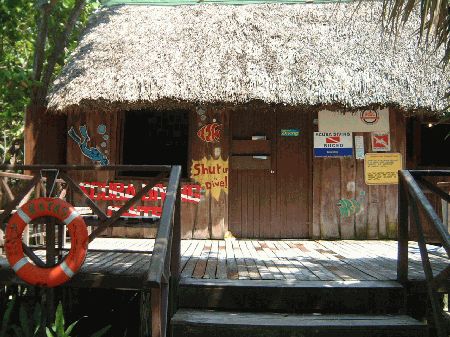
(211, 174)
(382, 168)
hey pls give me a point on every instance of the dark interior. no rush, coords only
(155, 137)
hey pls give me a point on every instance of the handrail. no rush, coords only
(411, 197)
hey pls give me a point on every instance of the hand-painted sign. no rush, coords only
(290, 132)
(114, 191)
(209, 132)
(381, 142)
(333, 144)
(361, 121)
(211, 174)
(92, 153)
(382, 168)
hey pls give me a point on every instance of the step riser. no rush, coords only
(369, 331)
(298, 300)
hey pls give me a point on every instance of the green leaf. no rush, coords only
(24, 324)
(50, 333)
(101, 332)
(6, 317)
(70, 328)
(59, 321)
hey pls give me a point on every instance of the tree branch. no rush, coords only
(41, 39)
(60, 44)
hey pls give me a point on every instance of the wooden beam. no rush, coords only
(9, 193)
(134, 168)
(433, 188)
(403, 232)
(14, 203)
(419, 197)
(88, 202)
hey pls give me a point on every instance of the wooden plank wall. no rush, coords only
(210, 216)
(335, 179)
(205, 219)
(74, 156)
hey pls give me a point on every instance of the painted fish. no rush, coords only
(209, 133)
(348, 207)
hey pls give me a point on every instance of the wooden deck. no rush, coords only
(127, 260)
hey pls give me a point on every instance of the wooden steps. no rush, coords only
(293, 296)
(291, 308)
(209, 323)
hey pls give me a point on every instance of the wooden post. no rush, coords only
(145, 329)
(159, 300)
(432, 295)
(403, 212)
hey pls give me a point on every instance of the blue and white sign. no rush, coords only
(333, 144)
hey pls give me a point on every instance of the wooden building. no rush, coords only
(235, 93)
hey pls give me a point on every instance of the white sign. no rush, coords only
(333, 144)
(359, 147)
(360, 121)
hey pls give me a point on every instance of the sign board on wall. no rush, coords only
(382, 168)
(360, 121)
(333, 144)
(381, 141)
(359, 147)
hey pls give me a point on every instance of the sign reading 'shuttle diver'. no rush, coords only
(333, 144)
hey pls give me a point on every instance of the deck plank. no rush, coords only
(252, 260)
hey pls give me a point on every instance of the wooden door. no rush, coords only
(270, 198)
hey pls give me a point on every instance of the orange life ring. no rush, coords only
(62, 272)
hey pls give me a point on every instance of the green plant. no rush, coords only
(26, 329)
(58, 327)
(6, 317)
(30, 325)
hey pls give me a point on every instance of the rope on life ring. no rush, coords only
(62, 272)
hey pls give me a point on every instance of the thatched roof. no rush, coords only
(294, 54)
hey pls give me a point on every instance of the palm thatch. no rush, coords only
(296, 54)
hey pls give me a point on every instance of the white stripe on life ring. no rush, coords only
(24, 216)
(70, 218)
(66, 269)
(19, 264)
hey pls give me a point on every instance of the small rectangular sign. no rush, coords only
(333, 144)
(376, 120)
(381, 142)
(382, 168)
(290, 132)
(359, 147)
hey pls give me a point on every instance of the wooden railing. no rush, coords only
(412, 200)
(162, 277)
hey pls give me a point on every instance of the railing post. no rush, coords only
(403, 235)
(175, 256)
(428, 271)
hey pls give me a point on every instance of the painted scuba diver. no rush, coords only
(91, 152)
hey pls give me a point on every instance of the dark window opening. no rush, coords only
(155, 137)
(435, 145)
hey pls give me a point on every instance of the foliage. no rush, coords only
(434, 26)
(30, 325)
(19, 30)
